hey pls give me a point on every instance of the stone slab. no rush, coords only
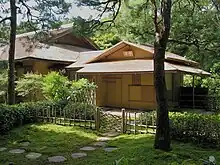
(79, 155)
(99, 144)
(33, 155)
(17, 151)
(56, 159)
(2, 149)
(103, 139)
(87, 148)
(25, 144)
(111, 134)
(110, 149)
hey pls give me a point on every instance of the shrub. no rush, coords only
(30, 87)
(56, 87)
(197, 128)
(3, 86)
(82, 91)
(24, 113)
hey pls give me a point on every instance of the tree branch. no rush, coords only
(4, 19)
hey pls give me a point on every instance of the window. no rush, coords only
(136, 79)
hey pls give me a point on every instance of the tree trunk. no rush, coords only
(11, 69)
(162, 138)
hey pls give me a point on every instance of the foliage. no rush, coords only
(82, 91)
(64, 140)
(3, 86)
(56, 87)
(30, 87)
(106, 39)
(81, 100)
(200, 129)
(14, 115)
(59, 140)
(213, 82)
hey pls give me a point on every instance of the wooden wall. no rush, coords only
(137, 54)
(121, 91)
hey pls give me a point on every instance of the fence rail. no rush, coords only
(70, 117)
(143, 122)
(97, 119)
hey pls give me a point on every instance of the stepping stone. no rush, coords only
(33, 155)
(87, 148)
(103, 139)
(2, 149)
(110, 149)
(111, 134)
(56, 159)
(17, 151)
(25, 144)
(99, 144)
(78, 155)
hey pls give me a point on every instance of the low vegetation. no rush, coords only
(50, 140)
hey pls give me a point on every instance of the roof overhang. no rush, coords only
(134, 66)
(43, 59)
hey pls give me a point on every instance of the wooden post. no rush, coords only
(75, 76)
(123, 121)
(60, 115)
(193, 93)
(135, 122)
(146, 117)
(55, 115)
(64, 116)
(97, 119)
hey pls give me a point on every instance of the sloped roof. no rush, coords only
(141, 65)
(84, 57)
(168, 56)
(26, 48)
(53, 34)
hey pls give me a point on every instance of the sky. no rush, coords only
(75, 11)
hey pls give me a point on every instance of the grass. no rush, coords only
(52, 140)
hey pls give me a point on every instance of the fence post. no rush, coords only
(123, 120)
(97, 119)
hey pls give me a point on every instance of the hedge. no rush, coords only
(201, 129)
(24, 113)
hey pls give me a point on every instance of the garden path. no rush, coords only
(100, 143)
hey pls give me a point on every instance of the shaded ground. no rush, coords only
(53, 140)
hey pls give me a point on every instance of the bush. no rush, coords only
(30, 87)
(24, 113)
(197, 128)
(56, 87)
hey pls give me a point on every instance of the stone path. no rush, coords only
(100, 143)
(33, 155)
(87, 148)
(110, 149)
(24, 144)
(2, 149)
(17, 151)
(78, 155)
(56, 159)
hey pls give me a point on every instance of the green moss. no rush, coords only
(51, 140)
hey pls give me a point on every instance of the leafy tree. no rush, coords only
(105, 39)
(160, 11)
(56, 87)
(30, 87)
(47, 12)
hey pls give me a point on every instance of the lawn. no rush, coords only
(52, 140)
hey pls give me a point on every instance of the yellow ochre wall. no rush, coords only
(41, 67)
(118, 91)
(118, 55)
